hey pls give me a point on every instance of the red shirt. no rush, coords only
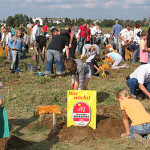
(83, 31)
(88, 38)
(45, 28)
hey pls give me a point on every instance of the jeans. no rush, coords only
(51, 55)
(135, 55)
(93, 39)
(142, 130)
(25, 51)
(133, 85)
(117, 41)
(15, 61)
(81, 43)
(37, 57)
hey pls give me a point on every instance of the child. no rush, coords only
(115, 58)
(16, 44)
(133, 109)
(6, 36)
(144, 59)
(26, 44)
(90, 50)
(1, 101)
(81, 73)
(93, 63)
(111, 47)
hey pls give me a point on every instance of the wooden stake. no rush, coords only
(54, 121)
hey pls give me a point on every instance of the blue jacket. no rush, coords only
(19, 45)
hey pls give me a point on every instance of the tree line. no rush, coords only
(18, 19)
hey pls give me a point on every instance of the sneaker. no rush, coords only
(140, 139)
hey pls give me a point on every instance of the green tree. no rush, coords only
(46, 20)
(80, 21)
(89, 21)
(10, 21)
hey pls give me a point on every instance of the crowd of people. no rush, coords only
(86, 40)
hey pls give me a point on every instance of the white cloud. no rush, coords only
(111, 4)
(135, 1)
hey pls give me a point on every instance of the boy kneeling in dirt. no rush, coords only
(81, 73)
(133, 109)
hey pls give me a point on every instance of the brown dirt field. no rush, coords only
(108, 126)
(13, 142)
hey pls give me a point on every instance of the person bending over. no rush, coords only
(81, 73)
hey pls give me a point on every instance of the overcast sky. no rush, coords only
(88, 9)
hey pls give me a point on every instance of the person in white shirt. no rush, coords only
(93, 33)
(36, 30)
(140, 78)
(126, 35)
(90, 49)
(106, 39)
(135, 46)
(6, 36)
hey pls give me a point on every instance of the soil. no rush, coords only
(13, 142)
(108, 126)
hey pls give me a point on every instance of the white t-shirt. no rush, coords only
(142, 74)
(36, 32)
(93, 30)
(127, 35)
(136, 31)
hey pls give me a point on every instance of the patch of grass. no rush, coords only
(24, 91)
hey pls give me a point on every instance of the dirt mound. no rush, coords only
(111, 111)
(13, 142)
(107, 128)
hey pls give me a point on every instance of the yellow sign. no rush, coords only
(81, 108)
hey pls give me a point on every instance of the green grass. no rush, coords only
(24, 91)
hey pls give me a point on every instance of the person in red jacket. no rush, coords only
(45, 29)
(82, 33)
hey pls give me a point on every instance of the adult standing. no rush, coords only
(126, 36)
(21, 28)
(115, 32)
(36, 30)
(6, 36)
(93, 33)
(55, 50)
(13, 31)
(75, 28)
(135, 45)
(31, 32)
(45, 29)
(88, 36)
(81, 37)
(98, 37)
